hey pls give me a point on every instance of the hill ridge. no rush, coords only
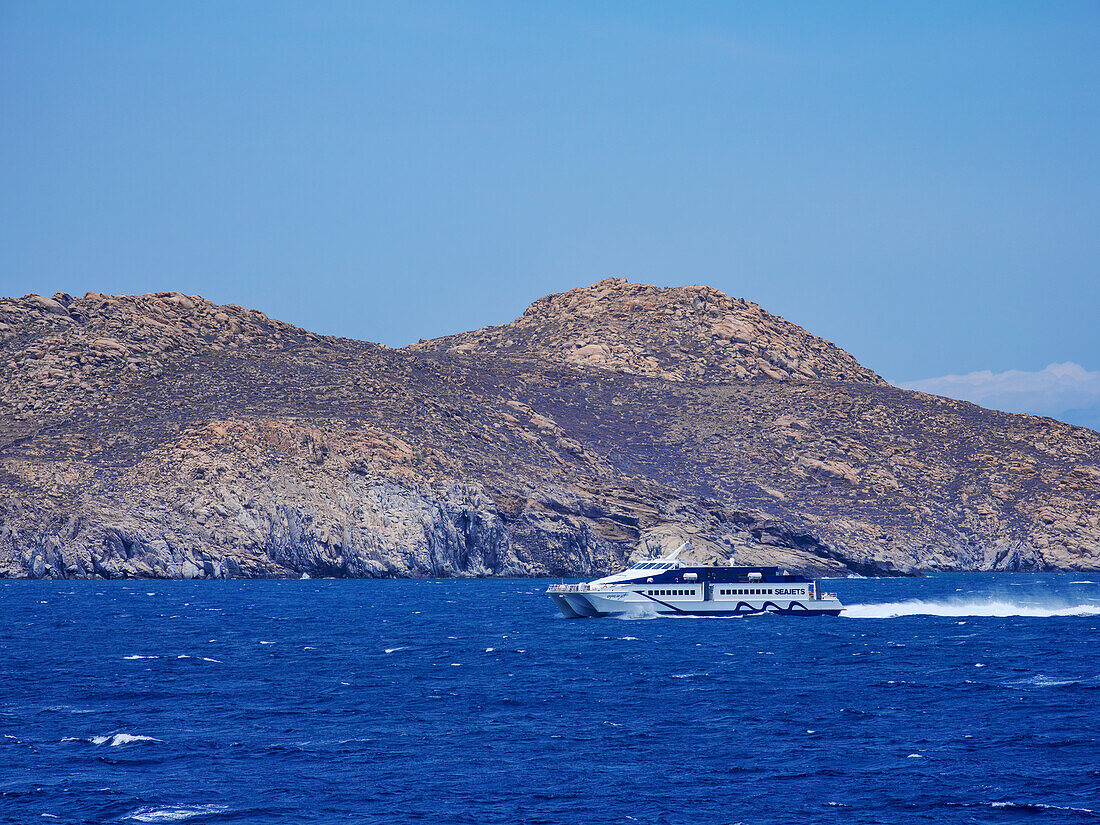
(675, 333)
(164, 435)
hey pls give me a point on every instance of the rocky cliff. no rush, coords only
(162, 435)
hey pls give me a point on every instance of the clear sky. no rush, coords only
(918, 182)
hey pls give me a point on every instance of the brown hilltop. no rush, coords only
(678, 333)
(164, 435)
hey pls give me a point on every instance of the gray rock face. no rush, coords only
(164, 436)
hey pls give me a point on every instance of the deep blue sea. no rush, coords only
(474, 702)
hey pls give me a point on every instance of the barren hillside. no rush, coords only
(162, 435)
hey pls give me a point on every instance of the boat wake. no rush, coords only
(988, 607)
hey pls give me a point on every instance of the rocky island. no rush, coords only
(161, 435)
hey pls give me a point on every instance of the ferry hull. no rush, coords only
(580, 605)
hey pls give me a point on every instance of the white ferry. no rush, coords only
(666, 586)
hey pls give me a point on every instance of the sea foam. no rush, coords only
(174, 813)
(114, 740)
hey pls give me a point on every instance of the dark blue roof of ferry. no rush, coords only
(719, 575)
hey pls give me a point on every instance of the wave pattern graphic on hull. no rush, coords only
(740, 609)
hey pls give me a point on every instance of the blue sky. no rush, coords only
(918, 182)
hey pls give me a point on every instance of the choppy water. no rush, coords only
(956, 698)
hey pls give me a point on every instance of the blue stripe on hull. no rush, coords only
(745, 609)
(779, 612)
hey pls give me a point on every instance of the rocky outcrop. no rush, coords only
(164, 436)
(678, 334)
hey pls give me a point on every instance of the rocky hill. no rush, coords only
(678, 334)
(162, 435)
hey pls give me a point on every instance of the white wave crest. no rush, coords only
(991, 607)
(121, 739)
(1040, 806)
(175, 813)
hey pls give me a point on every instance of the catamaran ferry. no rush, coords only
(668, 587)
